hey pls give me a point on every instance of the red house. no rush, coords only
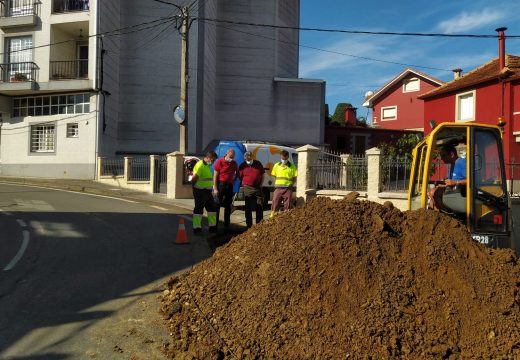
(395, 106)
(487, 94)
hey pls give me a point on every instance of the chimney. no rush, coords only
(350, 116)
(501, 48)
(457, 73)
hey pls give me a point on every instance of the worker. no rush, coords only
(202, 193)
(225, 174)
(285, 174)
(456, 176)
(251, 174)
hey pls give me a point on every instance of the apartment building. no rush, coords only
(87, 78)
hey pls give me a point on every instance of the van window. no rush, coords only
(294, 158)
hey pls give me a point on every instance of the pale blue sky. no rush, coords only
(348, 78)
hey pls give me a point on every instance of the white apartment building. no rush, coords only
(86, 78)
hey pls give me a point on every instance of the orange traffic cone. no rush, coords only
(181, 233)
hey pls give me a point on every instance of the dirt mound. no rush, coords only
(348, 279)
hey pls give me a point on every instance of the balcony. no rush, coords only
(17, 78)
(69, 70)
(65, 6)
(15, 13)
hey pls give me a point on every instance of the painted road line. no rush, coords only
(159, 208)
(7, 213)
(20, 253)
(21, 222)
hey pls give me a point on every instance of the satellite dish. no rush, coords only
(179, 115)
(368, 94)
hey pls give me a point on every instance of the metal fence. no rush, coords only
(395, 174)
(139, 168)
(70, 5)
(73, 69)
(113, 166)
(13, 8)
(331, 172)
(19, 72)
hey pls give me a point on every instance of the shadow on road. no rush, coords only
(76, 267)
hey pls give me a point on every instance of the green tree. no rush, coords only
(339, 113)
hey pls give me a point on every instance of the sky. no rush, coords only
(349, 77)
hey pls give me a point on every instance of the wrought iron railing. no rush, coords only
(19, 72)
(331, 172)
(139, 168)
(73, 69)
(13, 8)
(112, 166)
(395, 174)
(61, 6)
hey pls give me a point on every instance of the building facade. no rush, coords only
(488, 94)
(88, 78)
(395, 106)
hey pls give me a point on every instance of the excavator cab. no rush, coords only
(470, 155)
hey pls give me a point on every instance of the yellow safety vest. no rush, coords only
(203, 171)
(284, 174)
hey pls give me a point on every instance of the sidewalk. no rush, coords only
(94, 187)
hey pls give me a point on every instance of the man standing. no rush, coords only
(225, 173)
(202, 186)
(285, 174)
(251, 173)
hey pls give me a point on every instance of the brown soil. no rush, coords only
(348, 279)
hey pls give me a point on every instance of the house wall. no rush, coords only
(410, 110)
(109, 80)
(249, 104)
(487, 111)
(73, 157)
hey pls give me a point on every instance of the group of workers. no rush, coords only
(212, 190)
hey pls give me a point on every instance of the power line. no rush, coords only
(354, 31)
(336, 52)
(116, 32)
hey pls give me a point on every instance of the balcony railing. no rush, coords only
(19, 72)
(61, 6)
(66, 70)
(13, 8)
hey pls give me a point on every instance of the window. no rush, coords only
(72, 130)
(51, 105)
(465, 106)
(19, 56)
(43, 139)
(410, 85)
(341, 143)
(389, 113)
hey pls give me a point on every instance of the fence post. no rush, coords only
(343, 183)
(127, 169)
(175, 189)
(153, 173)
(307, 156)
(99, 166)
(373, 178)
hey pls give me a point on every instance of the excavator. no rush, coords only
(479, 198)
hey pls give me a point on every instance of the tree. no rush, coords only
(339, 113)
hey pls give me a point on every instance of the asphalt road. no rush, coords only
(80, 274)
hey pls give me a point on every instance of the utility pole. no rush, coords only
(183, 130)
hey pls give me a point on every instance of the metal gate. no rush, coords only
(161, 172)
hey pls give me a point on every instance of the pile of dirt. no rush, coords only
(348, 279)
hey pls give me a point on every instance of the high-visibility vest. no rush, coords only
(203, 171)
(284, 174)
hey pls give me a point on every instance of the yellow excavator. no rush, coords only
(459, 169)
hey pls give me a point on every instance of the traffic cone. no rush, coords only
(182, 238)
